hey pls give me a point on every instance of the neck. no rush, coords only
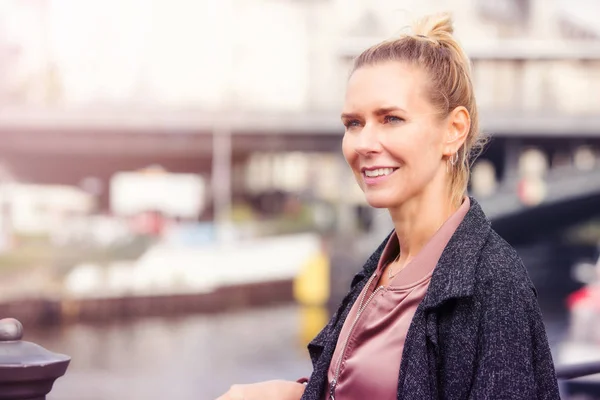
(418, 219)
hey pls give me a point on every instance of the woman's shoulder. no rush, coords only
(500, 268)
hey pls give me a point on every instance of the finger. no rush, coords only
(235, 392)
(227, 396)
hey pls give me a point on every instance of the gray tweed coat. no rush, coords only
(477, 334)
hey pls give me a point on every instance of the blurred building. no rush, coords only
(256, 55)
(119, 85)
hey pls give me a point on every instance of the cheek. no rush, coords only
(401, 148)
(415, 147)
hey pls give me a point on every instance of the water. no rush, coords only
(199, 357)
(195, 357)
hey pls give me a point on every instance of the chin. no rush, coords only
(381, 200)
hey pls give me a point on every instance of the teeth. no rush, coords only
(379, 172)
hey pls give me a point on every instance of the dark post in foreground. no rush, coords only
(27, 371)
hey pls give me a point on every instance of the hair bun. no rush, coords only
(436, 27)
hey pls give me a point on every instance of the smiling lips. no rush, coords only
(373, 176)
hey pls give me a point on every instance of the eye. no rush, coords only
(352, 123)
(392, 119)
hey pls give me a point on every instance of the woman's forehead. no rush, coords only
(386, 85)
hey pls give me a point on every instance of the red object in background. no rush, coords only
(148, 223)
(588, 297)
(578, 296)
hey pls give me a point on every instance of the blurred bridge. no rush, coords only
(572, 196)
(523, 100)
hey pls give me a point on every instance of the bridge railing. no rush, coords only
(573, 371)
(562, 184)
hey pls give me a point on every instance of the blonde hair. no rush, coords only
(433, 48)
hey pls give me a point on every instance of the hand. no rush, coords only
(269, 390)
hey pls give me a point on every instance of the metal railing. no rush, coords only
(573, 371)
(27, 371)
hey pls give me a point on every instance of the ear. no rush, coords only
(458, 125)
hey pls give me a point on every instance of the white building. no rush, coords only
(283, 56)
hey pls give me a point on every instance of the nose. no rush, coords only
(367, 142)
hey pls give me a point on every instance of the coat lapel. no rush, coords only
(454, 275)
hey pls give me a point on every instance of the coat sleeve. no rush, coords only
(513, 356)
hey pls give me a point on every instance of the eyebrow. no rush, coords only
(347, 116)
(378, 112)
(387, 110)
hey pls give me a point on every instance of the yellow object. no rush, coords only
(312, 320)
(311, 286)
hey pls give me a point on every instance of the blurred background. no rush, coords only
(175, 212)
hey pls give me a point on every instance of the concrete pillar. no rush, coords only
(543, 22)
(221, 182)
(512, 152)
(346, 217)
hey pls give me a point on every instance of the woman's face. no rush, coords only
(394, 139)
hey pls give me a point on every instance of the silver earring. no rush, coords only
(454, 159)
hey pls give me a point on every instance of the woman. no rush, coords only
(444, 308)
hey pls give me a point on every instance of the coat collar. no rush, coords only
(454, 275)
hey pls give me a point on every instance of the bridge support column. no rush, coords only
(346, 216)
(512, 152)
(221, 182)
